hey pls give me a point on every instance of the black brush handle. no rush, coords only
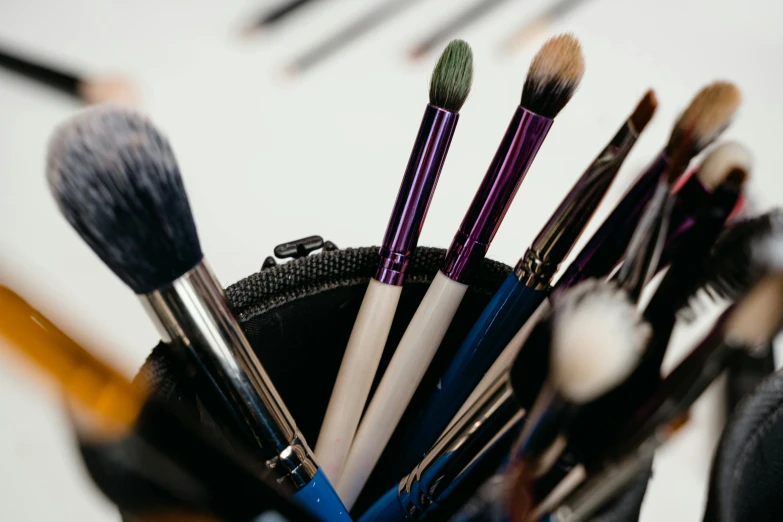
(280, 12)
(60, 80)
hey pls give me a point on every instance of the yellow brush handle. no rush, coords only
(89, 381)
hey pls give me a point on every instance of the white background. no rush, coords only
(268, 158)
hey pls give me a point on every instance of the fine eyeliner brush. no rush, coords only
(116, 181)
(354, 30)
(278, 14)
(552, 79)
(461, 20)
(710, 112)
(491, 420)
(187, 471)
(525, 288)
(449, 88)
(88, 90)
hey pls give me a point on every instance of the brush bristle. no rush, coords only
(758, 317)
(554, 76)
(116, 181)
(723, 160)
(453, 77)
(739, 258)
(644, 111)
(597, 340)
(708, 115)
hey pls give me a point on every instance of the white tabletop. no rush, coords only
(268, 159)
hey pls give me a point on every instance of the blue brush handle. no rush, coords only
(320, 499)
(510, 307)
(386, 509)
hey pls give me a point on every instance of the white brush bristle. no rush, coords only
(597, 340)
(722, 160)
(769, 250)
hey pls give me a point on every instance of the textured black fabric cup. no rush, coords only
(298, 317)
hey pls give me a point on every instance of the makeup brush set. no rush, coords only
(412, 383)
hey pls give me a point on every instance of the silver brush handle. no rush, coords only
(193, 309)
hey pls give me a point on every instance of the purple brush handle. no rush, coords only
(516, 152)
(413, 199)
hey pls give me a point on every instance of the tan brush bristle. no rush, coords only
(644, 111)
(553, 76)
(709, 114)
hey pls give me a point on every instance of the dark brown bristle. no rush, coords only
(644, 111)
(680, 156)
(737, 177)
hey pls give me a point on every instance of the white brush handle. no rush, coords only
(354, 380)
(505, 359)
(406, 369)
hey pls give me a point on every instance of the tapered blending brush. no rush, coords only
(449, 89)
(708, 114)
(526, 287)
(187, 471)
(501, 410)
(552, 79)
(88, 90)
(116, 181)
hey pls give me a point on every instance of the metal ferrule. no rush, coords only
(541, 261)
(193, 309)
(413, 199)
(492, 415)
(516, 153)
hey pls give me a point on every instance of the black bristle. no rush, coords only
(116, 181)
(553, 76)
(733, 268)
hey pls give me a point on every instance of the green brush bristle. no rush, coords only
(452, 77)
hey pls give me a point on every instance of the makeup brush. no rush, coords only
(597, 341)
(88, 90)
(460, 21)
(706, 117)
(641, 259)
(681, 282)
(540, 23)
(277, 14)
(552, 79)
(526, 287)
(186, 471)
(116, 181)
(353, 31)
(449, 88)
(491, 420)
(710, 112)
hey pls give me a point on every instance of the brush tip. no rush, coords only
(644, 111)
(553, 76)
(116, 181)
(730, 161)
(452, 77)
(597, 340)
(708, 115)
